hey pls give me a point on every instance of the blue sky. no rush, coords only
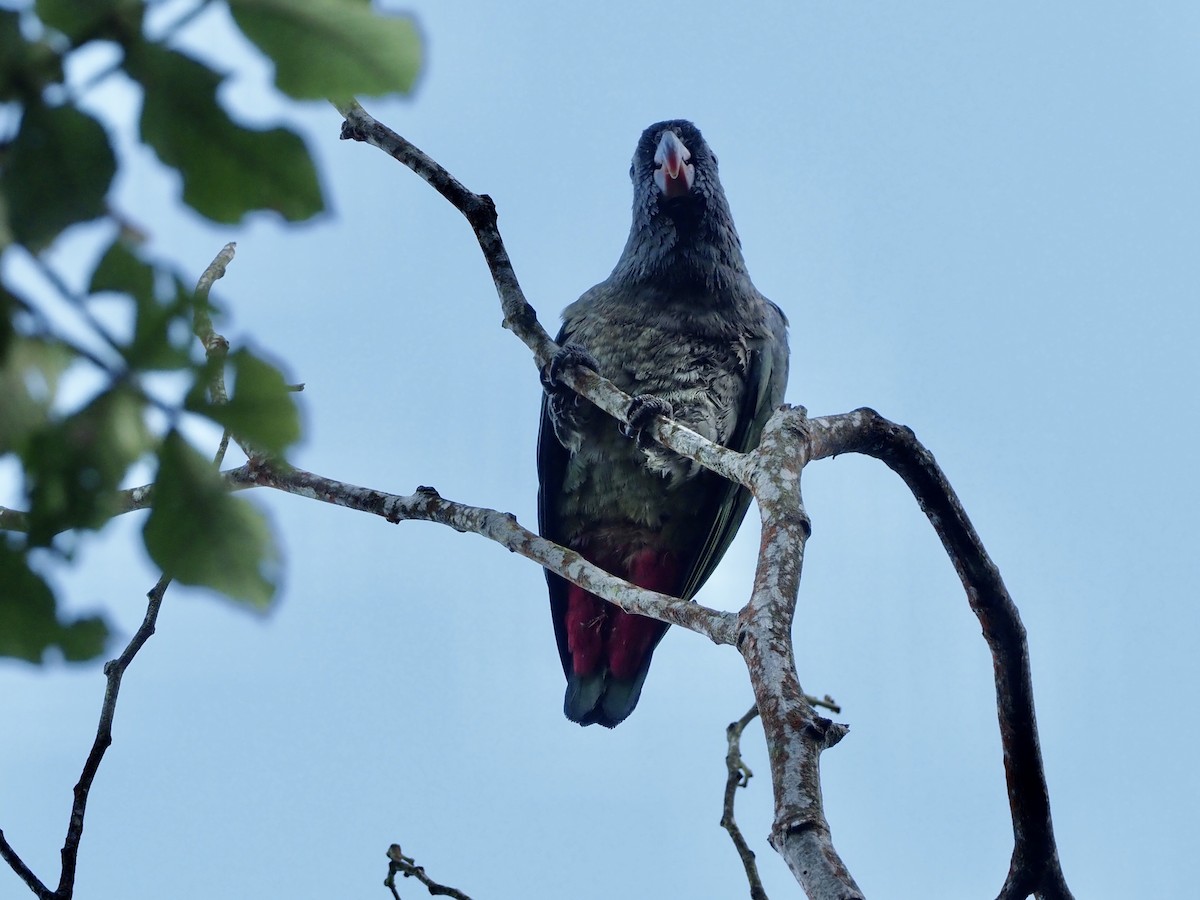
(981, 221)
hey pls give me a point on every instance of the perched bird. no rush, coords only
(680, 326)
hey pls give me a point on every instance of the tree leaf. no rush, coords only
(228, 170)
(29, 623)
(199, 534)
(25, 66)
(28, 384)
(58, 172)
(83, 20)
(332, 48)
(74, 466)
(121, 271)
(261, 410)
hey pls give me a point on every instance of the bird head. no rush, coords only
(674, 170)
(681, 227)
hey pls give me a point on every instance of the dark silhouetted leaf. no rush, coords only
(199, 534)
(332, 48)
(25, 66)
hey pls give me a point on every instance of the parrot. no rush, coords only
(680, 327)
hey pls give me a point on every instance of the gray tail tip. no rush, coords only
(600, 699)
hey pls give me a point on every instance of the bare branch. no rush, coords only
(407, 867)
(427, 505)
(795, 734)
(519, 316)
(738, 775)
(10, 856)
(827, 702)
(215, 345)
(1035, 867)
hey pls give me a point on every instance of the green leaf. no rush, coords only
(199, 534)
(58, 173)
(29, 622)
(83, 20)
(332, 48)
(28, 384)
(261, 411)
(74, 466)
(121, 271)
(25, 66)
(227, 170)
(8, 336)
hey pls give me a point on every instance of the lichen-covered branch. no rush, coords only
(426, 504)
(795, 733)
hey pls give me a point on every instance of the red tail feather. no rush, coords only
(599, 632)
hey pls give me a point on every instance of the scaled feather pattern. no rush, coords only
(679, 320)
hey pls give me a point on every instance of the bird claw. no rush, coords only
(641, 413)
(566, 408)
(666, 463)
(569, 356)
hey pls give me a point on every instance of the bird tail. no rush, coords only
(611, 655)
(602, 699)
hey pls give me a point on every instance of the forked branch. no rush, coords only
(795, 733)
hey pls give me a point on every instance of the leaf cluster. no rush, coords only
(57, 168)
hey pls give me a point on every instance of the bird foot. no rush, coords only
(566, 408)
(641, 413)
(569, 356)
(643, 408)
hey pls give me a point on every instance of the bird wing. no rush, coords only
(552, 465)
(766, 380)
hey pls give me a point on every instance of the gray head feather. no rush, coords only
(688, 239)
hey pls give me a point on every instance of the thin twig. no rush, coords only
(80, 304)
(114, 671)
(827, 702)
(406, 866)
(739, 775)
(10, 856)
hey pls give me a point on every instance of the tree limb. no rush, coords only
(795, 734)
(1034, 867)
(426, 504)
